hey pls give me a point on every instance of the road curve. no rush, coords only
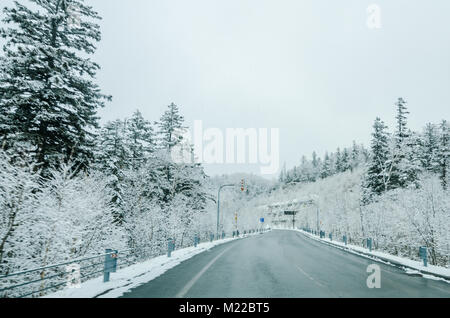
(282, 264)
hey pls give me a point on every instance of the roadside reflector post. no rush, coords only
(345, 239)
(170, 247)
(369, 244)
(110, 264)
(331, 236)
(423, 252)
(223, 235)
(211, 237)
(195, 240)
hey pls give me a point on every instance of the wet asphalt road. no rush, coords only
(282, 264)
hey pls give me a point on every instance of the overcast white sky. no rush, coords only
(309, 67)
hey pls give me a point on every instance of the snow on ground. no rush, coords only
(132, 276)
(411, 266)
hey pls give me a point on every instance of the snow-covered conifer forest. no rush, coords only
(70, 187)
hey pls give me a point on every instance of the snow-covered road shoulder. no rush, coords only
(134, 275)
(411, 267)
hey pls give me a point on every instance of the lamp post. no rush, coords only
(218, 205)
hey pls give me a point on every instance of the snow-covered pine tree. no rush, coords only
(170, 125)
(345, 160)
(338, 161)
(377, 178)
(354, 157)
(400, 177)
(429, 147)
(47, 95)
(140, 139)
(326, 170)
(316, 165)
(402, 131)
(112, 155)
(170, 134)
(443, 156)
(304, 173)
(411, 164)
(283, 173)
(295, 174)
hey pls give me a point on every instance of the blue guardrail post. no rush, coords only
(424, 255)
(369, 244)
(169, 247)
(110, 264)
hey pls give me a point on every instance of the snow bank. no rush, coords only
(411, 266)
(132, 276)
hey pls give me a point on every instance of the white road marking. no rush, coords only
(304, 273)
(191, 283)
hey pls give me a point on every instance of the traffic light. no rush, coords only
(242, 185)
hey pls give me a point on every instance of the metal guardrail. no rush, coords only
(74, 273)
(368, 243)
(59, 277)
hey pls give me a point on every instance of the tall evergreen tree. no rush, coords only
(170, 126)
(112, 155)
(355, 156)
(402, 130)
(443, 157)
(411, 165)
(430, 148)
(399, 176)
(316, 162)
(338, 161)
(346, 160)
(377, 179)
(47, 95)
(282, 177)
(326, 167)
(140, 139)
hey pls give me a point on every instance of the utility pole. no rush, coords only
(317, 210)
(218, 202)
(218, 205)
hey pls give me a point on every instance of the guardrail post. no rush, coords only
(170, 247)
(423, 252)
(110, 264)
(344, 238)
(369, 244)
